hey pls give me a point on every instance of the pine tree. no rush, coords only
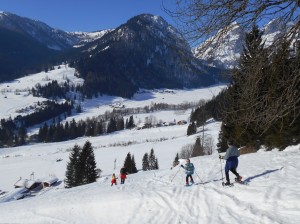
(88, 165)
(72, 166)
(82, 168)
(127, 162)
(112, 125)
(192, 129)
(153, 163)
(247, 86)
(156, 167)
(133, 165)
(151, 159)
(120, 124)
(130, 123)
(197, 148)
(145, 162)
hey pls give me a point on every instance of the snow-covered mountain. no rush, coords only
(225, 53)
(52, 38)
(144, 52)
(87, 37)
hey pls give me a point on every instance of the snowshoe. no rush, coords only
(227, 184)
(238, 179)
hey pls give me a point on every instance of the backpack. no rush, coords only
(123, 171)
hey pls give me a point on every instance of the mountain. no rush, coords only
(52, 38)
(21, 54)
(226, 52)
(145, 52)
(27, 45)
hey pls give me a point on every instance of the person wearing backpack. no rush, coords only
(189, 171)
(123, 173)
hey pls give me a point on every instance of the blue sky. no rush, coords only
(85, 15)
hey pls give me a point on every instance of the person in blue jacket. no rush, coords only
(231, 157)
(189, 171)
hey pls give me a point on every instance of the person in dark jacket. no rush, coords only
(189, 171)
(231, 157)
(123, 173)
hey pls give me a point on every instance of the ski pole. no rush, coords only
(175, 174)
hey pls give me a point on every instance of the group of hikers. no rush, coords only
(123, 173)
(231, 157)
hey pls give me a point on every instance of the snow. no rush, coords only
(224, 53)
(272, 196)
(16, 95)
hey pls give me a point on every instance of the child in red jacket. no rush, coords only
(113, 179)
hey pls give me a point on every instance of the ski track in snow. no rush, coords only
(151, 197)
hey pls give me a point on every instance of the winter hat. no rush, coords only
(230, 142)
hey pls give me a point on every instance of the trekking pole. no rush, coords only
(175, 174)
(221, 168)
(199, 177)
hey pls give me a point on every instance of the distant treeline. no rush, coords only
(13, 131)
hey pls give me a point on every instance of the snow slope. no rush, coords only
(272, 196)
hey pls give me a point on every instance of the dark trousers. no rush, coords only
(122, 180)
(233, 171)
(231, 165)
(187, 178)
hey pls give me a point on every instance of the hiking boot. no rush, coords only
(238, 179)
(227, 183)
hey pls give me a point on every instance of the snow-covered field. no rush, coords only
(272, 196)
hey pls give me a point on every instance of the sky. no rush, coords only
(85, 15)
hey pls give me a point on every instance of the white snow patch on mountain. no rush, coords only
(16, 95)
